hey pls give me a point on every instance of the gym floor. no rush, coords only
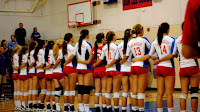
(150, 103)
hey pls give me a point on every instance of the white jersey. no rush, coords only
(184, 62)
(50, 61)
(70, 51)
(166, 48)
(138, 47)
(58, 69)
(40, 60)
(15, 62)
(86, 48)
(126, 67)
(23, 71)
(30, 61)
(112, 54)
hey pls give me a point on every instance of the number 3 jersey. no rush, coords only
(138, 47)
(166, 48)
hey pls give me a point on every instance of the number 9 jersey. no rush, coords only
(138, 47)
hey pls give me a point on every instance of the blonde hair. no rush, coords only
(137, 29)
(15, 48)
(58, 45)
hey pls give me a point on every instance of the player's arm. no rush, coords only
(88, 61)
(146, 57)
(69, 60)
(97, 63)
(168, 57)
(111, 63)
(48, 67)
(123, 60)
(22, 65)
(30, 66)
(190, 52)
(57, 63)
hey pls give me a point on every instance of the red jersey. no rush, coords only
(99, 51)
(191, 30)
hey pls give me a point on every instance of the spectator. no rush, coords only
(2, 73)
(20, 34)
(12, 43)
(35, 35)
(191, 30)
(4, 45)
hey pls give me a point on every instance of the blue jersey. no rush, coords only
(2, 64)
(86, 48)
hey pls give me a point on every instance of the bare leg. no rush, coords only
(72, 84)
(125, 85)
(160, 91)
(184, 92)
(169, 86)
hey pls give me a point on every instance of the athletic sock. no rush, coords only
(58, 106)
(135, 108)
(141, 109)
(86, 107)
(170, 109)
(116, 108)
(30, 104)
(183, 110)
(54, 105)
(48, 105)
(123, 109)
(160, 109)
(81, 108)
(23, 105)
(66, 105)
(71, 107)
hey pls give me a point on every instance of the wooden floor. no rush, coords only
(150, 102)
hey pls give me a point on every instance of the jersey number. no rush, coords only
(137, 51)
(163, 50)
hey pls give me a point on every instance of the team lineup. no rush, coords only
(56, 66)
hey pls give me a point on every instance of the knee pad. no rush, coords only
(58, 92)
(34, 92)
(108, 95)
(103, 94)
(72, 93)
(25, 93)
(133, 96)
(30, 92)
(116, 95)
(194, 92)
(141, 95)
(15, 93)
(183, 96)
(48, 93)
(87, 89)
(43, 91)
(124, 94)
(80, 89)
(66, 93)
(53, 93)
(21, 94)
(98, 94)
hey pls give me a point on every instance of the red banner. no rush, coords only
(133, 4)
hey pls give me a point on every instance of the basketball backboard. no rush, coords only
(80, 13)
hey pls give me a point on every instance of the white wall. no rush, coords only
(51, 19)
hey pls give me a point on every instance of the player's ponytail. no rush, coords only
(58, 45)
(31, 47)
(48, 47)
(40, 46)
(127, 34)
(24, 49)
(99, 38)
(67, 38)
(163, 28)
(83, 35)
(109, 37)
(137, 29)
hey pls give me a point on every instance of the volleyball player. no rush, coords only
(125, 67)
(57, 71)
(23, 57)
(49, 75)
(99, 72)
(83, 50)
(31, 73)
(112, 71)
(16, 51)
(70, 67)
(165, 72)
(40, 61)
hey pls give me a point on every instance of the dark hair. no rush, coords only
(182, 25)
(49, 46)
(12, 35)
(163, 28)
(109, 37)
(24, 49)
(34, 29)
(2, 43)
(127, 34)
(84, 33)
(31, 47)
(20, 23)
(40, 46)
(67, 38)
(99, 37)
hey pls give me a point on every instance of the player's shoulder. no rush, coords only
(89, 43)
(145, 38)
(179, 38)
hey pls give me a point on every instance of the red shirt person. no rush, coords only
(191, 30)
